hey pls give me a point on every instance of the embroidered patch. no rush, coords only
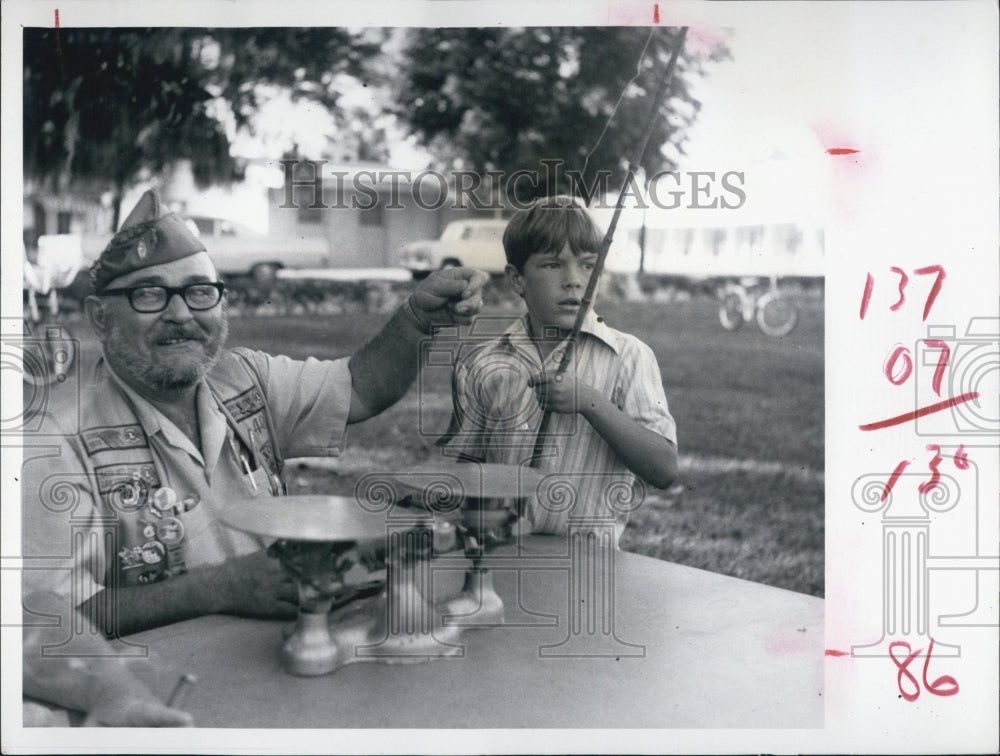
(126, 487)
(113, 437)
(242, 406)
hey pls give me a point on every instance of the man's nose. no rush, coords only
(177, 309)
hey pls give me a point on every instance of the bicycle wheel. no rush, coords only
(731, 308)
(776, 315)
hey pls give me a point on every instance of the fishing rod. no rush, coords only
(595, 274)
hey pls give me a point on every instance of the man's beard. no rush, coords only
(164, 375)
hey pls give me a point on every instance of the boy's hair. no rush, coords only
(546, 226)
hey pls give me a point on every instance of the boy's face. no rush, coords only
(552, 287)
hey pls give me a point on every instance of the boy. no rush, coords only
(609, 419)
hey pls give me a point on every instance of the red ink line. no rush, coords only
(901, 666)
(930, 409)
(656, 13)
(903, 279)
(835, 652)
(893, 479)
(946, 685)
(934, 464)
(961, 458)
(889, 368)
(867, 296)
(938, 271)
(942, 362)
(841, 151)
(58, 43)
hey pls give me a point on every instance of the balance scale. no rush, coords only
(321, 537)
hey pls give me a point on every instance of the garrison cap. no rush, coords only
(145, 239)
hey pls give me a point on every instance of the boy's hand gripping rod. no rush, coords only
(602, 255)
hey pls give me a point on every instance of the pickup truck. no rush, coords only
(476, 243)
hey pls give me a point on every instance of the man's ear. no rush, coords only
(97, 314)
(515, 279)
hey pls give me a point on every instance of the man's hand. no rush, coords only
(255, 585)
(133, 708)
(563, 393)
(449, 296)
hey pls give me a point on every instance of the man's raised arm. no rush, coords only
(384, 368)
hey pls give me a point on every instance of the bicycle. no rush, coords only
(748, 300)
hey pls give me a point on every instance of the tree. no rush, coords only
(507, 99)
(103, 105)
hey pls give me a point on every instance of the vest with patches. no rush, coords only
(149, 544)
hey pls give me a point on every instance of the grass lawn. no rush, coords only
(749, 411)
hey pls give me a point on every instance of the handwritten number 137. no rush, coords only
(904, 279)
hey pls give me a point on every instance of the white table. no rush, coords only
(708, 651)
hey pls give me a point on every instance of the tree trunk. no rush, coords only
(71, 135)
(116, 204)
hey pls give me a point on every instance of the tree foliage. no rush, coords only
(507, 98)
(103, 105)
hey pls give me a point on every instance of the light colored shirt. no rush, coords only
(497, 417)
(309, 402)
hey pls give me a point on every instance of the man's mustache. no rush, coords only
(176, 334)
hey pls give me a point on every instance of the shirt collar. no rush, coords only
(211, 422)
(593, 325)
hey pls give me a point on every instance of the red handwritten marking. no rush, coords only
(898, 378)
(835, 652)
(930, 409)
(902, 669)
(945, 685)
(941, 363)
(903, 280)
(841, 151)
(930, 485)
(938, 271)
(961, 458)
(892, 479)
(58, 44)
(656, 13)
(867, 296)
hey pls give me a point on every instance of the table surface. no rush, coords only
(685, 648)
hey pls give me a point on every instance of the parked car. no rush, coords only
(238, 250)
(476, 243)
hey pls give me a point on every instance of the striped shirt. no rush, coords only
(497, 416)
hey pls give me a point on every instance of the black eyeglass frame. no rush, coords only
(129, 292)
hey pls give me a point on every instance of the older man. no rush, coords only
(174, 428)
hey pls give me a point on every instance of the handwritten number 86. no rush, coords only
(946, 685)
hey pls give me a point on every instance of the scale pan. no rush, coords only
(306, 518)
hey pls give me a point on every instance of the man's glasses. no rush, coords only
(197, 296)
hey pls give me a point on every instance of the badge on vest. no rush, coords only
(161, 554)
